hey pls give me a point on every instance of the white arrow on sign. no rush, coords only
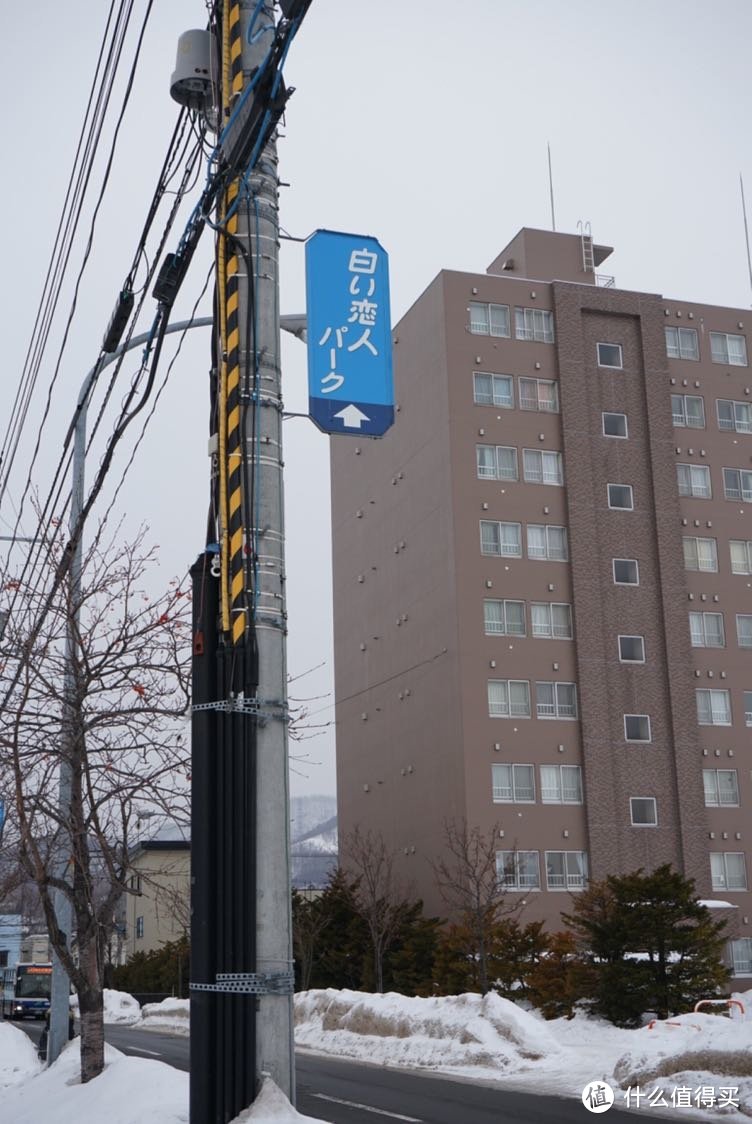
(352, 417)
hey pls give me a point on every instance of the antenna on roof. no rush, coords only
(746, 230)
(551, 186)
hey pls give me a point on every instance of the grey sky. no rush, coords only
(422, 122)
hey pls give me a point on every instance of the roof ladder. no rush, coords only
(586, 240)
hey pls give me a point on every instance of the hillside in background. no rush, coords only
(313, 835)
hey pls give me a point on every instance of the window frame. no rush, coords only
(615, 414)
(681, 420)
(500, 405)
(643, 823)
(711, 692)
(572, 881)
(639, 741)
(629, 560)
(501, 553)
(615, 507)
(539, 475)
(551, 634)
(558, 707)
(740, 965)
(508, 714)
(724, 885)
(736, 426)
(496, 473)
(630, 636)
(746, 544)
(747, 696)
(560, 787)
(538, 383)
(517, 885)
(702, 614)
(700, 569)
(504, 631)
(139, 930)
(514, 785)
(547, 528)
(545, 334)
(678, 348)
(488, 305)
(717, 801)
(726, 359)
(691, 492)
(609, 366)
(744, 642)
(745, 493)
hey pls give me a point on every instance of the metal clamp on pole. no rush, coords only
(264, 707)
(250, 983)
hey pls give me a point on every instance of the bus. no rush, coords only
(26, 991)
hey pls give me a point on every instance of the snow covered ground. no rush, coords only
(697, 1066)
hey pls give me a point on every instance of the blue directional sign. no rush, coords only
(349, 334)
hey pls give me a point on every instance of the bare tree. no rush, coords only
(309, 920)
(113, 717)
(469, 883)
(376, 895)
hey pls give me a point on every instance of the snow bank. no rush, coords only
(172, 1015)
(18, 1056)
(129, 1091)
(444, 1032)
(119, 1007)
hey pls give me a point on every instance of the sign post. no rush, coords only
(350, 386)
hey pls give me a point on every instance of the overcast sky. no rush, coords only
(422, 122)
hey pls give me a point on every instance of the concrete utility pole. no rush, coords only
(258, 230)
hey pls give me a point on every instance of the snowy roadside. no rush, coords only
(677, 1068)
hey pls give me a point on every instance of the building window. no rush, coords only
(688, 410)
(643, 811)
(700, 554)
(496, 462)
(542, 467)
(504, 618)
(632, 649)
(539, 394)
(620, 497)
(734, 415)
(508, 698)
(730, 349)
(681, 343)
(551, 621)
(748, 708)
(4, 958)
(489, 319)
(493, 390)
(503, 539)
(741, 556)
(534, 324)
(513, 784)
(744, 630)
(614, 425)
(637, 727)
(706, 630)
(561, 784)
(518, 870)
(626, 571)
(693, 480)
(546, 542)
(566, 870)
(556, 700)
(741, 956)
(139, 926)
(610, 355)
(721, 788)
(737, 484)
(713, 707)
(728, 870)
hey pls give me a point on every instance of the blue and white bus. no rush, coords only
(26, 991)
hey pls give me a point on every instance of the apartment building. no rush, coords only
(543, 585)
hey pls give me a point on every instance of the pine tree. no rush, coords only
(654, 946)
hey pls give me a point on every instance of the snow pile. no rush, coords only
(691, 1050)
(119, 1007)
(448, 1032)
(172, 1015)
(18, 1056)
(272, 1107)
(129, 1091)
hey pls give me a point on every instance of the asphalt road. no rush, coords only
(344, 1092)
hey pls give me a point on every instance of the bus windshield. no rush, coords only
(34, 985)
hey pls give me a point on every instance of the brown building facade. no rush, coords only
(543, 585)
